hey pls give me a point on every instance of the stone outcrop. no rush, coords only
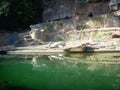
(59, 28)
(90, 31)
(57, 45)
(76, 49)
(114, 7)
(39, 35)
(9, 38)
(84, 10)
(68, 30)
(61, 9)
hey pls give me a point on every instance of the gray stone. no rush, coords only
(38, 35)
(57, 45)
(76, 49)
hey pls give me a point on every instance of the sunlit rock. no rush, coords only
(38, 35)
(59, 10)
(57, 45)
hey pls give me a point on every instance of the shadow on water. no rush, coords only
(84, 71)
(6, 86)
(3, 52)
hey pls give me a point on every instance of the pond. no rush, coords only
(87, 71)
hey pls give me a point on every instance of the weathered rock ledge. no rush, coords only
(87, 40)
(69, 47)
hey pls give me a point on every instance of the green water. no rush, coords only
(100, 71)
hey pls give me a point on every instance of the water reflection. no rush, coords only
(93, 61)
(77, 62)
(98, 71)
(98, 58)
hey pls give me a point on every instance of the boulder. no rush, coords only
(38, 35)
(76, 49)
(57, 45)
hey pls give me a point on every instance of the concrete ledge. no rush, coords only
(58, 51)
(35, 51)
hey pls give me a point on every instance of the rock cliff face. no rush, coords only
(86, 21)
(84, 10)
(9, 39)
(61, 9)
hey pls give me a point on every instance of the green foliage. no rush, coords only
(4, 7)
(23, 12)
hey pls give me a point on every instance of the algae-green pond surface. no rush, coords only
(98, 71)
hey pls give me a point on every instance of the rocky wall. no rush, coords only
(61, 9)
(69, 30)
(102, 21)
(91, 9)
(88, 16)
(9, 38)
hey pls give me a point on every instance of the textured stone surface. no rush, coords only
(9, 38)
(59, 28)
(98, 31)
(85, 9)
(60, 10)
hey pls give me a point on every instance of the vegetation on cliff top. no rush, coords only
(21, 13)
